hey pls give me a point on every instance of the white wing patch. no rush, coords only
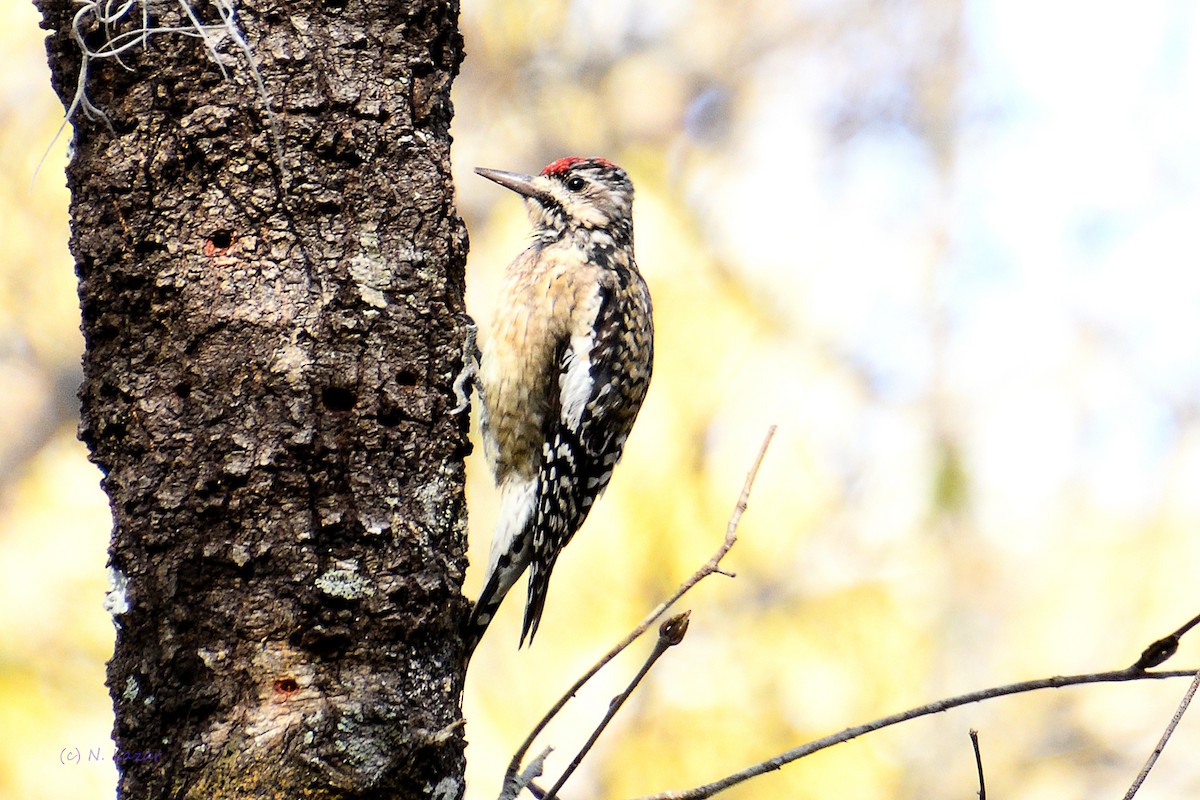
(517, 500)
(575, 382)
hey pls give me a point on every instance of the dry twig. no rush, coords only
(771, 764)
(670, 633)
(1162, 742)
(513, 784)
(711, 566)
(1164, 648)
(1154, 655)
(978, 763)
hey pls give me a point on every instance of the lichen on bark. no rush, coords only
(271, 348)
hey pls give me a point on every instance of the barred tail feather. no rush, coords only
(538, 518)
(509, 556)
(485, 609)
(535, 600)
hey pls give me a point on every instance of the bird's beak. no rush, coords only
(521, 184)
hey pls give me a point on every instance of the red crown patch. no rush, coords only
(563, 164)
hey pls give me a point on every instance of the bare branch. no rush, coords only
(710, 789)
(670, 634)
(513, 784)
(711, 566)
(1164, 648)
(1162, 742)
(974, 734)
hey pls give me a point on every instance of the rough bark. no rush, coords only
(272, 334)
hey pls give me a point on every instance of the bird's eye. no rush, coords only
(576, 183)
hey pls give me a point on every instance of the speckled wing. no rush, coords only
(604, 372)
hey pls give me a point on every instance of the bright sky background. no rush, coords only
(1069, 292)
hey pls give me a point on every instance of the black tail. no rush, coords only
(535, 599)
(484, 611)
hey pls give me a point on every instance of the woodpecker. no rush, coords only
(565, 367)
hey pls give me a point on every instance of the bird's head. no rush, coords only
(573, 194)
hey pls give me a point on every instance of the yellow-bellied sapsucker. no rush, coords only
(565, 367)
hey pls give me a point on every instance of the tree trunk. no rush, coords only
(273, 312)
